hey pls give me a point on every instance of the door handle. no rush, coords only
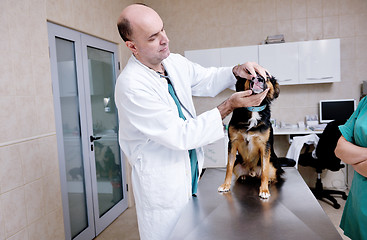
(92, 138)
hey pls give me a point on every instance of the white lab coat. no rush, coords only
(156, 140)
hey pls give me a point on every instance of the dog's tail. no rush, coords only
(279, 163)
(279, 174)
(285, 162)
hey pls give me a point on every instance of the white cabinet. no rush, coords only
(302, 62)
(281, 60)
(319, 61)
(206, 57)
(223, 57)
(233, 56)
(291, 63)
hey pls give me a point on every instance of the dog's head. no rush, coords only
(258, 85)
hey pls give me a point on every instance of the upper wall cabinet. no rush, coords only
(302, 62)
(291, 63)
(223, 57)
(206, 57)
(233, 56)
(281, 60)
(319, 61)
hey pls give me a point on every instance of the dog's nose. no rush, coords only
(260, 78)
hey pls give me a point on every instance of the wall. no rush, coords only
(207, 24)
(215, 23)
(30, 196)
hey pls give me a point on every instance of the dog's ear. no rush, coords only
(276, 88)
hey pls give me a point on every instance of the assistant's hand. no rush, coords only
(248, 70)
(352, 154)
(241, 99)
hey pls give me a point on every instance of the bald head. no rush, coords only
(133, 17)
(143, 32)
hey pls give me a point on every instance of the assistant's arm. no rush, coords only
(361, 168)
(353, 155)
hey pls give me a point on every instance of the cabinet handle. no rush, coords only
(322, 78)
(286, 80)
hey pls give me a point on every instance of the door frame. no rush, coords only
(108, 217)
(81, 40)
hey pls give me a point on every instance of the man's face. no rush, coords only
(150, 40)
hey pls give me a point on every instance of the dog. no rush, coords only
(251, 135)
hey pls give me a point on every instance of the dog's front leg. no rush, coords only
(225, 187)
(265, 162)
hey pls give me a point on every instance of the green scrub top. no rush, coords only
(354, 219)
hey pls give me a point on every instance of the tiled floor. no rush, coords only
(335, 214)
(125, 226)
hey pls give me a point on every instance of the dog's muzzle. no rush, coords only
(258, 84)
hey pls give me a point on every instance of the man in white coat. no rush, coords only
(157, 140)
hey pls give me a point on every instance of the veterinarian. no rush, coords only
(352, 149)
(159, 131)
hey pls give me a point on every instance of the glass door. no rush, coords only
(83, 72)
(103, 125)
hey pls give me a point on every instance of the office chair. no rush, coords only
(326, 159)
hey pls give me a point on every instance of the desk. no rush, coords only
(289, 132)
(294, 131)
(292, 212)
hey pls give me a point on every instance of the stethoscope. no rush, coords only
(165, 76)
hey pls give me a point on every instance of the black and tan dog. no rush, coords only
(251, 135)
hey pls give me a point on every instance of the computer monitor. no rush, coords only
(340, 109)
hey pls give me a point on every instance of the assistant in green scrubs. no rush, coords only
(354, 219)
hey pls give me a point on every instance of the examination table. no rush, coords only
(292, 212)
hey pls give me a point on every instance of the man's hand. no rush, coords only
(241, 99)
(248, 70)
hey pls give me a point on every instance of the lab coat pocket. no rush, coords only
(164, 187)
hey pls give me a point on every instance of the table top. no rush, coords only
(295, 131)
(291, 212)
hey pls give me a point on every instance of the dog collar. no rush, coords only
(256, 109)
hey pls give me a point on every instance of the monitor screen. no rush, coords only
(336, 109)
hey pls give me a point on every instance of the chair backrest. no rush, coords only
(327, 144)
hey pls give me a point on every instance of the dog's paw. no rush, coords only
(224, 188)
(265, 194)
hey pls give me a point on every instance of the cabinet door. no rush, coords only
(319, 61)
(232, 56)
(281, 60)
(206, 57)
